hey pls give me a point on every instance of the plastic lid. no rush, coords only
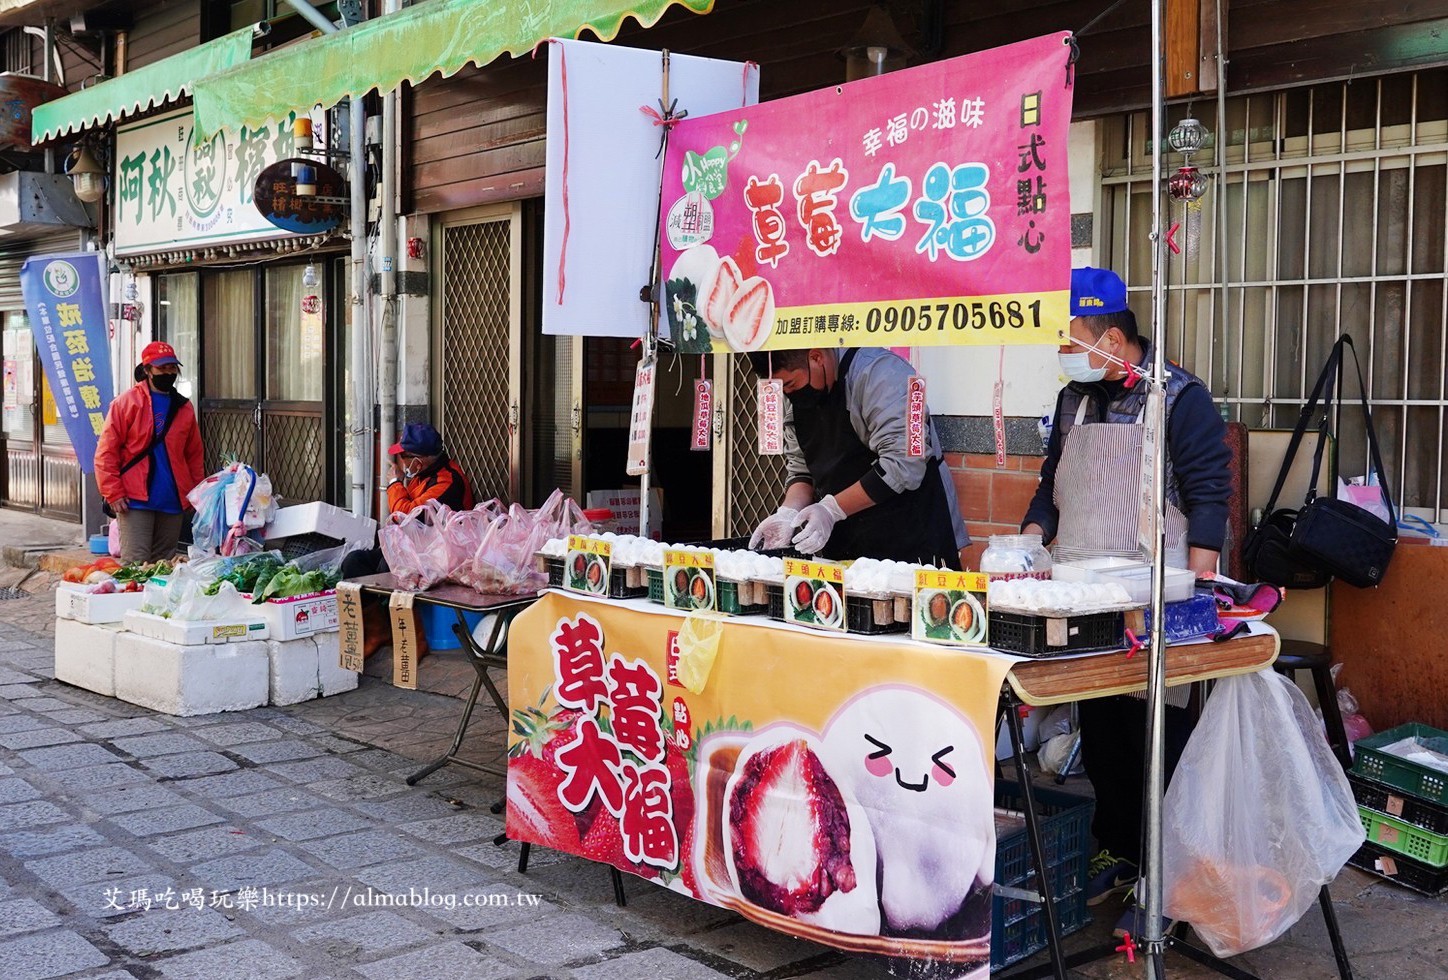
(598, 514)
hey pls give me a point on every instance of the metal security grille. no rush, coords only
(1336, 204)
(228, 433)
(753, 484)
(476, 293)
(294, 455)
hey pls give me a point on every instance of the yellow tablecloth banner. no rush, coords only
(836, 788)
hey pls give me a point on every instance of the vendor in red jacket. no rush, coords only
(423, 471)
(149, 457)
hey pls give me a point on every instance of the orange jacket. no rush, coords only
(130, 427)
(443, 481)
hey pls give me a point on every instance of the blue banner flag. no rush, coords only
(66, 300)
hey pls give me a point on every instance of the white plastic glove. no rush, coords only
(775, 530)
(816, 523)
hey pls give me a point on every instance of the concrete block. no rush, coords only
(334, 680)
(292, 670)
(191, 680)
(85, 655)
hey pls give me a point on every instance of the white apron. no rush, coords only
(1098, 486)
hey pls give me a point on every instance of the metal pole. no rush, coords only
(1156, 657)
(361, 400)
(650, 344)
(387, 246)
(48, 47)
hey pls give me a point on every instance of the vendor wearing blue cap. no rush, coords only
(1087, 507)
(422, 471)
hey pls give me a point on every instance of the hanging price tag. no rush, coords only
(703, 406)
(998, 413)
(771, 417)
(915, 416)
(640, 420)
(1147, 531)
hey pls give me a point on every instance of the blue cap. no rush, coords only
(1096, 292)
(418, 439)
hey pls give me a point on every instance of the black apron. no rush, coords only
(915, 526)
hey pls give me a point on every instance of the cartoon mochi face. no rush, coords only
(915, 765)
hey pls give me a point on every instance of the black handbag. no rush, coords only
(1327, 537)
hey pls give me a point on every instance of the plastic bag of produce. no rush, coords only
(414, 547)
(190, 595)
(1258, 818)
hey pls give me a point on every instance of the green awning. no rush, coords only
(153, 85)
(427, 38)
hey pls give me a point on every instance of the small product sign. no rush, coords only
(586, 568)
(771, 418)
(689, 582)
(703, 411)
(915, 416)
(950, 607)
(640, 420)
(1147, 531)
(814, 594)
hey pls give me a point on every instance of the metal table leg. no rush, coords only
(479, 657)
(1033, 834)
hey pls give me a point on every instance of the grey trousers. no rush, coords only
(149, 535)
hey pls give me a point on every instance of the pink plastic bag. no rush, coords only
(415, 548)
(502, 562)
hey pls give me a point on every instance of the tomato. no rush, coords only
(106, 564)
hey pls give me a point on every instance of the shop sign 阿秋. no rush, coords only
(170, 193)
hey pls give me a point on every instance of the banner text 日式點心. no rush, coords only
(925, 207)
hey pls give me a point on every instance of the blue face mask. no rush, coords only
(1078, 367)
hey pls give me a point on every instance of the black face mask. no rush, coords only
(163, 382)
(809, 396)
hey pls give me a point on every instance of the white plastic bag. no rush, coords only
(1258, 818)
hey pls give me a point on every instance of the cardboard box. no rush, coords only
(302, 615)
(324, 519)
(92, 607)
(207, 631)
(85, 655)
(198, 679)
(625, 506)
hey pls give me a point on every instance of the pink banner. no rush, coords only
(924, 207)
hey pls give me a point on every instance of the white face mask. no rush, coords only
(1078, 367)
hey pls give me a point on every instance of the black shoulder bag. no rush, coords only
(1327, 538)
(177, 401)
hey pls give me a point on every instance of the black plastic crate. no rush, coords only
(1420, 813)
(1018, 926)
(1029, 635)
(742, 544)
(1410, 873)
(859, 613)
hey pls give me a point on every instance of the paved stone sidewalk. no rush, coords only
(105, 805)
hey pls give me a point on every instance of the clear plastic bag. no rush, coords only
(184, 597)
(501, 560)
(1258, 818)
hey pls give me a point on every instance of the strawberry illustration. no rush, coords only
(535, 814)
(604, 842)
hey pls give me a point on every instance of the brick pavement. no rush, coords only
(102, 803)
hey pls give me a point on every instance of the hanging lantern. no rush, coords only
(1187, 184)
(1187, 136)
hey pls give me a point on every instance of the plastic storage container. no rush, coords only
(1042, 636)
(1133, 576)
(1009, 556)
(1424, 782)
(601, 518)
(1018, 928)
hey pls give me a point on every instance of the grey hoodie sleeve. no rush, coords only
(877, 396)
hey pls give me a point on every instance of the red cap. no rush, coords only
(159, 352)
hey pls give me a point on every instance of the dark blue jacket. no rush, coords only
(1198, 460)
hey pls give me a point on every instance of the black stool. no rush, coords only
(1298, 655)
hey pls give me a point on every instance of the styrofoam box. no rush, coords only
(1133, 576)
(198, 679)
(303, 615)
(324, 519)
(190, 633)
(306, 668)
(90, 607)
(85, 655)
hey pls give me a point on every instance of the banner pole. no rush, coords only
(650, 344)
(1156, 656)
